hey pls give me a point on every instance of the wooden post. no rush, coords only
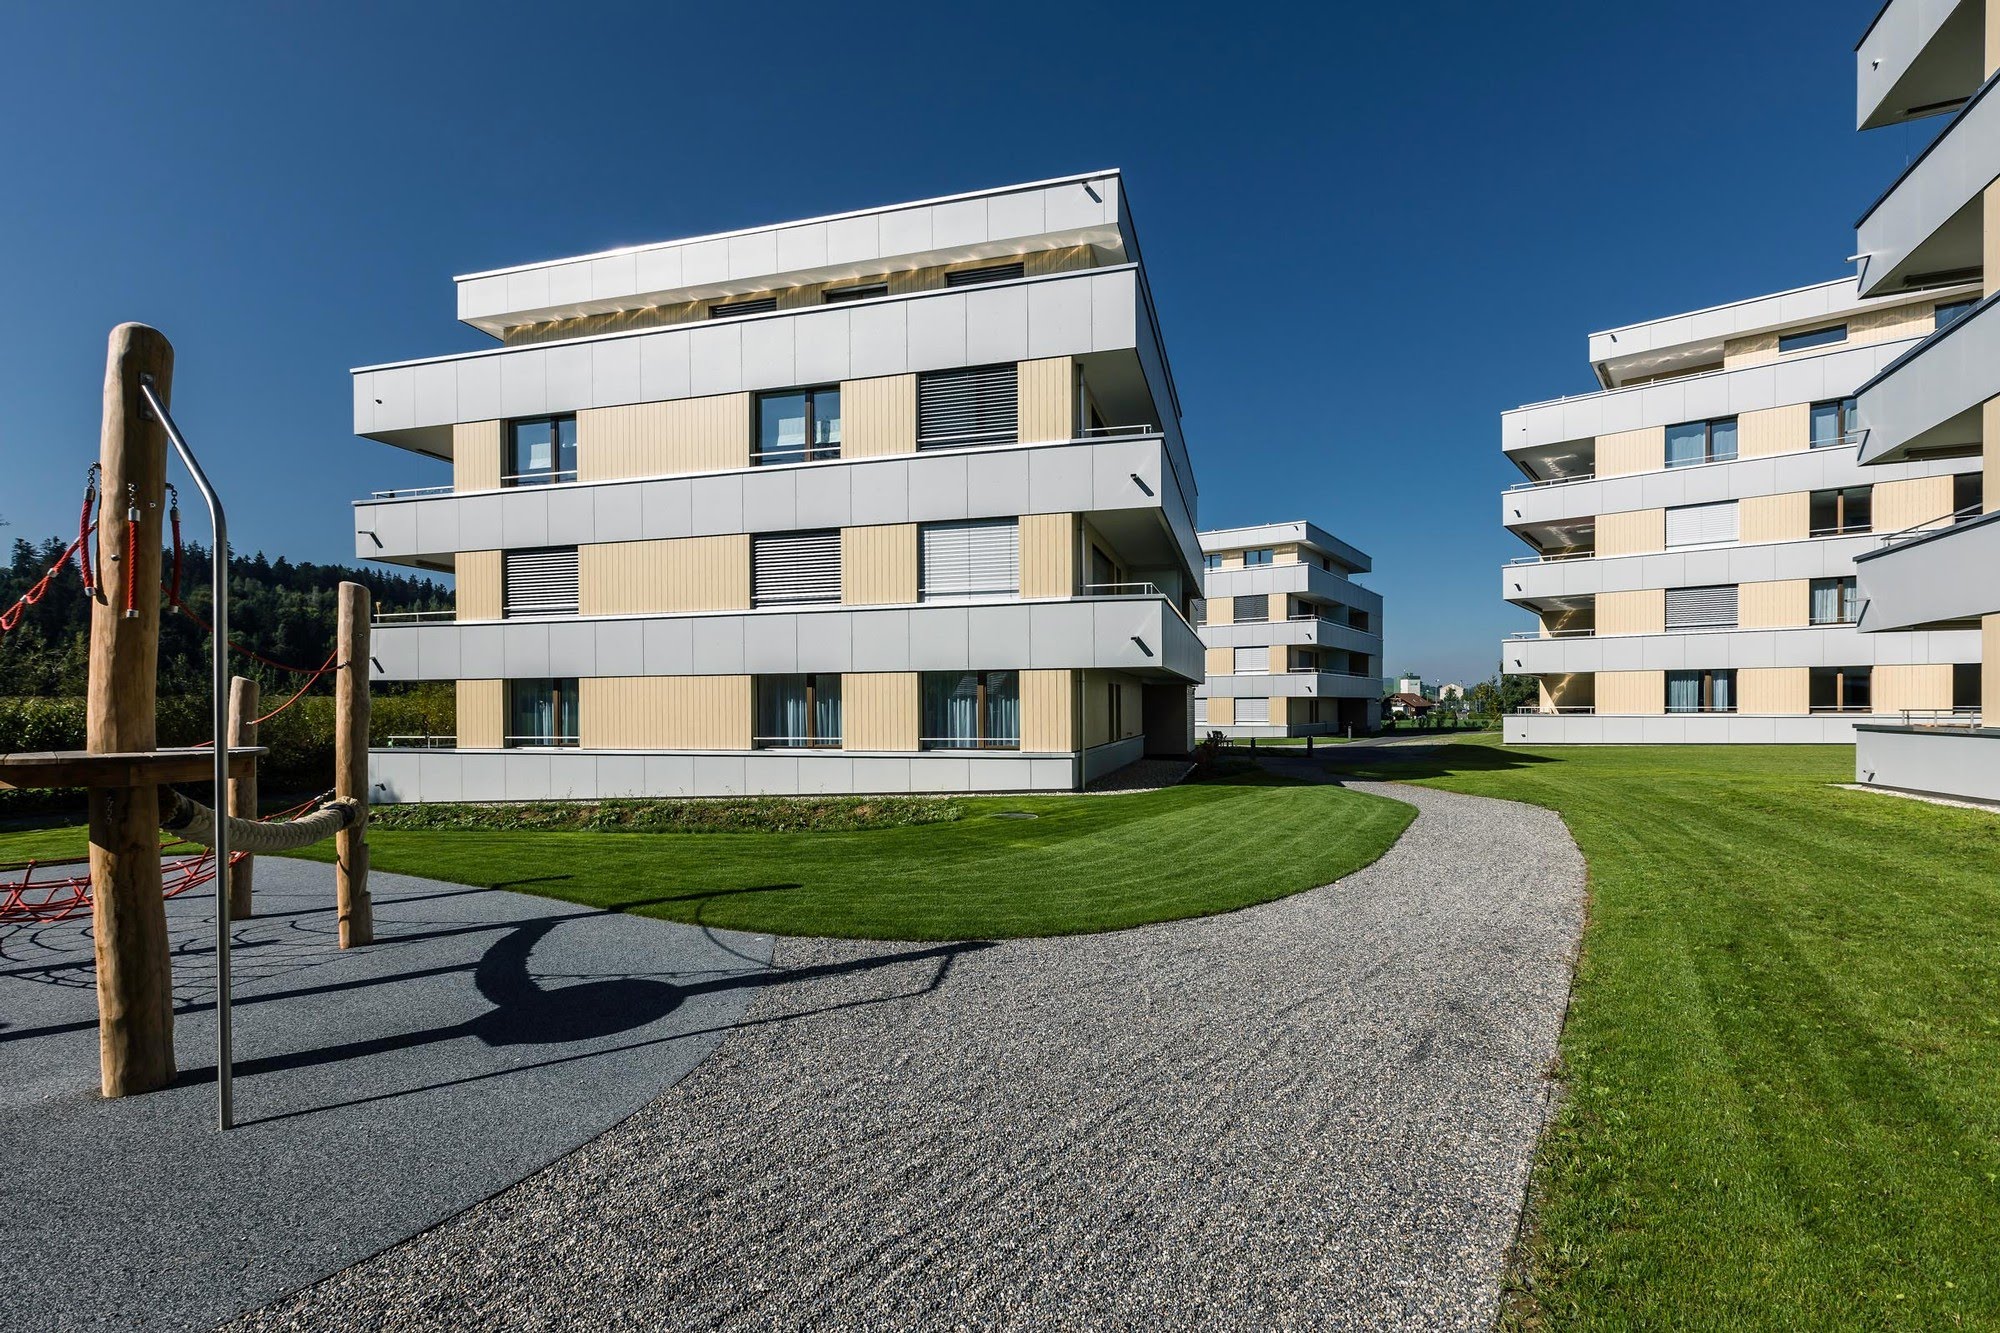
(350, 765)
(135, 1016)
(243, 697)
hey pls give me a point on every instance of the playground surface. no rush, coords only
(1315, 1112)
(379, 1090)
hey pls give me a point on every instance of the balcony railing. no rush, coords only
(1953, 519)
(1553, 558)
(545, 477)
(1851, 440)
(1535, 636)
(412, 617)
(412, 493)
(1941, 719)
(421, 742)
(540, 742)
(1552, 481)
(1569, 710)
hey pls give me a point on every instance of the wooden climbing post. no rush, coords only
(350, 765)
(243, 696)
(135, 1019)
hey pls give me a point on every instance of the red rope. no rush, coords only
(83, 530)
(132, 554)
(40, 589)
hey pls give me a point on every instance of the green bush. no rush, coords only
(750, 814)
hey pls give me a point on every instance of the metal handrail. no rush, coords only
(425, 742)
(1817, 533)
(1123, 590)
(1953, 519)
(548, 477)
(1136, 428)
(1551, 481)
(412, 492)
(218, 612)
(1565, 710)
(1555, 559)
(795, 742)
(1941, 717)
(406, 617)
(545, 742)
(804, 453)
(1532, 636)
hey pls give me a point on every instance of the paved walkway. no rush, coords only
(379, 1090)
(1314, 1113)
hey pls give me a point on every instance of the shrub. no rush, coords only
(749, 814)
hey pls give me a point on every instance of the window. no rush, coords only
(756, 305)
(1966, 686)
(1701, 442)
(795, 568)
(1834, 602)
(976, 561)
(867, 292)
(1949, 313)
(1201, 712)
(541, 712)
(974, 710)
(1253, 710)
(1712, 607)
(1800, 342)
(1199, 606)
(540, 451)
(1357, 618)
(1251, 662)
(1701, 691)
(972, 406)
(1701, 525)
(798, 711)
(1840, 690)
(1250, 609)
(1847, 510)
(1114, 709)
(798, 427)
(1212, 560)
(1260, 556)
(1833, 423)
(972, 277)
(538, 583)
(1968, 494)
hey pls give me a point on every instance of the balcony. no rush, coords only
(1139, 633)
(1938, 574)
(1722, 648)
(1126, 483)
(1532, 581)
(1928, 399)
(1297, 578)
(1298, 683)
(1918, 58)
(1927, 227)
(1949, 756)
(1683, 728)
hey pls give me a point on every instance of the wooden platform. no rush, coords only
(81, 768)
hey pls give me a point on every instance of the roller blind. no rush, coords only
(539, 582)
(1694, 608)
(964, 560)
(791, 568)
(1200, 711)
(1253, 661)
(1253, 710)
(977, 405)
(1696, 525)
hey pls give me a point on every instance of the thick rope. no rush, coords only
(195, 822)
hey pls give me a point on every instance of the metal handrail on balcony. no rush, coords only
(421, 742)
(410, 493)
(1941, 718)
(547, 477)
(1817, 533)
(1567, 710)
(540, 742)
(1555, 558)
(1320, 671)
(412, 617)
(1137, 428)
(1953, 519)
(1552, 481)
(1533, 636)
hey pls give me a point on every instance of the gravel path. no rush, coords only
(1314, 1113)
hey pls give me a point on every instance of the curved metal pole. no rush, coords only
(219, 593)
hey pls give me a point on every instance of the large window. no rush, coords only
(1701, 691)
(1834, 602)
(538, 582)
(1259, 556)
(1212, 560)
(1253, 711)
(1701, 442)
(1841, 690)
(1811, 338)
(977, 405)
(540, 451)
(1711, 607)
(1840, 512)
(1250, 609)
(541, 712)
(1701, 525)
(798, 427)
(798, 711)
(973, 710)
(1833, 423)
(972, 561)
(1252, 661)
(795, 568)
(1949, 313)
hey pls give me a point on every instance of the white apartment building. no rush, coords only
(891, 500)
(1693, 529)
(1294, 645)
(1939, 222)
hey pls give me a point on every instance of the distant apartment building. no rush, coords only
(892, 500)
(1693, 528)
(1294, 645)
(1937, 404)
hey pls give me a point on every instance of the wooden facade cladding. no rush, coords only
(1781, 604)
(664, 439)
(479, 585)
(674, 574)
(476, 456)
(878, 416)
(664, 712)
(1048, 555)
(1048, 710)
(1635, 692)
(878, 564)
(1634, 533)
(879, 710)
(482, 714)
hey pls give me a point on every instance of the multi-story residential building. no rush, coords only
(894, 500)
(1294, 644)
(1694, 528)
(1939, 222)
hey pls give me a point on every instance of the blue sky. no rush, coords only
(1370, 229)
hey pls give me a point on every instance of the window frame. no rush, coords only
(557, 695)
(1846, 593)
(1842, 497)
(1009, 271)
(863, 291)
(1708, 677)
(1844, 410)
(1252, 560)
(809, 452)
(982, 740)
(1964, 306)
(510, 446)
(753, 305)
(811, 740)
(1807, 340)
(1708, 454)
(1843, 679)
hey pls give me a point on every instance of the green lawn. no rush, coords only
(1783, 1049)
(1081, 864)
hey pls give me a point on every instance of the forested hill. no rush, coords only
(283, 610)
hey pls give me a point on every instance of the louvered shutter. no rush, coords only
(972, 277)
(962, 560)
(1253, 710)
(1201, 712)
(1698, 525)
(761, 305)
(539, 583)
(791, 568)
(978, 405)
(1694, 608)
(1253, 661)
